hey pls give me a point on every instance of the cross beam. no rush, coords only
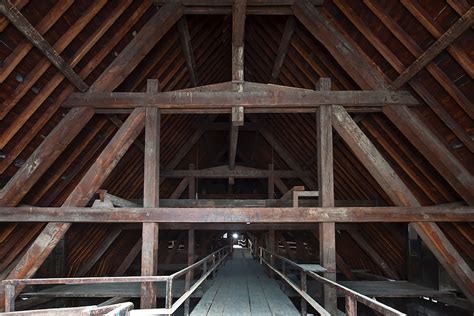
(226, 171)
(222, 102)
(237, 214)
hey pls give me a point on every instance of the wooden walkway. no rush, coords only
(241, 287)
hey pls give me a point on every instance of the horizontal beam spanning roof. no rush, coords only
(237, 215)
(229, 3)
(179, 101)
(225, 172)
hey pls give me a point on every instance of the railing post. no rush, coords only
(304, 289)
(260, 250)
(9, 298)
(187, 285)
(169, 293)
(283, 267)
(204, 267)
(351, 305)
(214, 266)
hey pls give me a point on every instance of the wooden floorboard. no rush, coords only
(241, 287)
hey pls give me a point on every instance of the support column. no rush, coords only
(327, 231)
(271, 247)
(151, 198)
(190, 274)
(271, 183)
(191, 184)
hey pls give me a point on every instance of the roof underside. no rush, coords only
(90, 34)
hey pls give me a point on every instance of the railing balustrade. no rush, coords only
(216, 259)
(352, 297)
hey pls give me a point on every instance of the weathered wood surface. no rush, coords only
(80, 196)
(187, 49)
(373, 254)
(151, 198)
(238, 215)
(177, 101)
(44, 156)
(400, 194)
(364, 72)
(437, 47)
(325, 162)
(193, 202)
(283, 47)
(119, 69)
(229, 3)
(23, 48)
(138, 48)
(35, 37)
(227, 171)
(241, 287)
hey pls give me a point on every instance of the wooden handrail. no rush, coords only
(352, 297)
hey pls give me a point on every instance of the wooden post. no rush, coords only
(231, 241)
(191, 184)
(351, 306)
(9, 298)
(304, 289)
(151, 198)
(238, 27)
(271, 248)
(327, 231)
(190, 274)
(271, 183)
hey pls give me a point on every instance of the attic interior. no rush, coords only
(213, 157)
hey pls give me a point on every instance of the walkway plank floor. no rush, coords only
(241, 287)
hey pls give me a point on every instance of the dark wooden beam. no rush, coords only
(237, 112)
(360, 67)
(99, 251)
(340, 262)
(340, 48)
(80, 196)
(151, 198)
(400, 194)
(226, 172)
(30, 32)
(283, 47)
(191, 184)
(49, 237)
(237, 118)
(187, 146)
(238, 22)
(193, 102)
(372, 253)
(156, 27)
(432, 25)
(129, 258)
(191, 258)
(237, 214)
(230, 3)
(271, 182)
(433, 149)
(435, 49)
(187, 50)
(183, 184)
(44, 155)
(327, 231)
